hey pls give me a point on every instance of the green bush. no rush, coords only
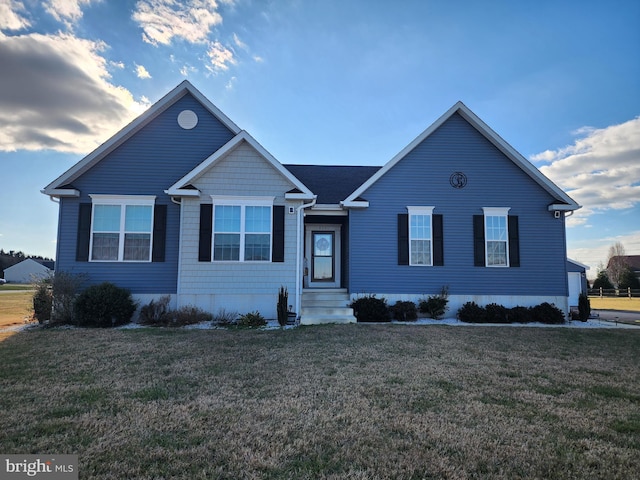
(547, 313)
(105, 305)
(251, 320)
(43, 301)
(435, 306)
(370, 309)
(283, 306)
(496, 314)
(471, 312)
(404, 311)
(584, 307)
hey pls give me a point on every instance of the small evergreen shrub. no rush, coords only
(105, 305)
(251, 320)
(404, 311)
(518, 315)
(43, 301)
(435, 306)
(471, 312)
(282, 306)
(496, 313)
(370, 309)
(584, 307)
(547, 313)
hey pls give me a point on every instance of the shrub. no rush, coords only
(251, 320)
(225, 318)
(43, 301)
(283, 306)
(547, 313)
(471, 312)
(154, 312)
(187, 315)
(104, 305)
(404, 311)
(65, 291)
(496, 313)
(370, 309)
(519, 315)
(584, 307)
(435, 306)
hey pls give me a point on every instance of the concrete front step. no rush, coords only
(326, 306)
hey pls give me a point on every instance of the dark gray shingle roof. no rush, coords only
(332, 183)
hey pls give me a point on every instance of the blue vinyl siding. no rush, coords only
(422, 178)
(148, 163)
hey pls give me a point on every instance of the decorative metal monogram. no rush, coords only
(458, 180)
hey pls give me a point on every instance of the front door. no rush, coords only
(322, 255)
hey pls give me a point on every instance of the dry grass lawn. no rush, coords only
(16, 307)
(335, 402)
(622, 303)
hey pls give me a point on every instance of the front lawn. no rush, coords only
(344, 401)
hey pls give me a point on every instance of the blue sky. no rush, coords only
(330, 82)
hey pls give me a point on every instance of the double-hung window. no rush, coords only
(496, 234)
(420, 236)
(121, 228)
(242, 229)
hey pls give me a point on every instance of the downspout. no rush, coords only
(299, 248)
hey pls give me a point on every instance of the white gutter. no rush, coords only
(299, 256)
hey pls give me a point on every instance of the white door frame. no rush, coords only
(337, 258)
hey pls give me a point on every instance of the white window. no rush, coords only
(242, 228)
(420, 236)
(496, 234)
(121, 228)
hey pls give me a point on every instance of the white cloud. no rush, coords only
(239, 43)
(164, 20)
(66, 11)
(142, 72)
(600, 170)
(231, 83)
(119, 65)
(11, 17)
(220, 57)
(55, 93)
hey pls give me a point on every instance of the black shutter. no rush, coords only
(84, 232)
(206, 226)
(403, 239)
(277, 245)
(478, 240)
(438, 241)
(514, 242)
(159, 233)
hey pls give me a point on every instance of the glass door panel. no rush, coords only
(323, 262)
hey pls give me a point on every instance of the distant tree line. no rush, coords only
(10, 258)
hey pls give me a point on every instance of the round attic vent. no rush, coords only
(187, 119)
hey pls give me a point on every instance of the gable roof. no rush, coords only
(183, 187)
(633, 261)
(60, 186)
(332, 183)
(565, 202)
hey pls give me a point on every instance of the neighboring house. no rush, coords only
(577, 276)
(28, 271)
(633, 261)
(182, 202)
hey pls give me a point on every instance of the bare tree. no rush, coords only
(616, 263)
